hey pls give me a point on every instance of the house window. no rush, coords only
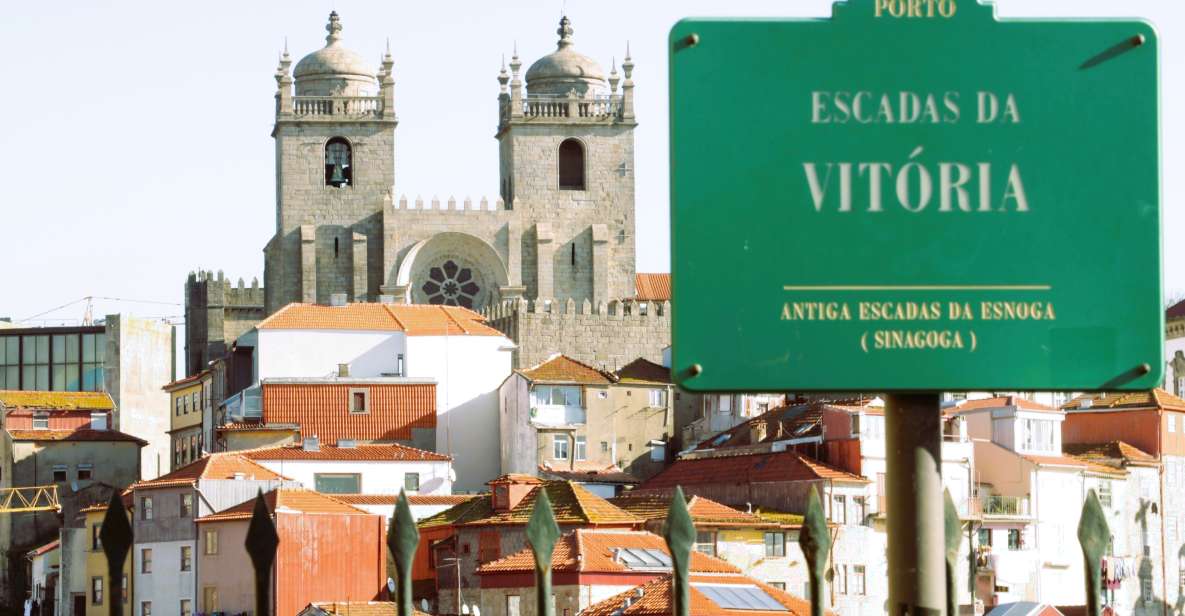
(571, 165)
(658, 452)
(96, 542)
(1171, 420)
(775, 545)
(840, 579)
(193, 450)
(40, 421)
(985, 537)
(512, 605)
(339, 168)
(604, 446)
(187, 505)
(856, 582)
(1014, 541)
(559, 447)
(581, 452)
(338, 483)
(145, 608)
(84, 471)
(489, 546)
(1105, 492)
(839, 509)
(399, 365)
(177, 405)
(186, 558)
(861, 505)
(97, 590)
(705, 542)
(778, 585)
(724, 404)
(145, 508)
(98, 421)
(186, 607)
(210, 599)
(36, 364)
(59, 472)
(359, 401)
(411, 482)
(556, 395)
(146, 560)
(1038, 435)
(211, 542)
(658, 398)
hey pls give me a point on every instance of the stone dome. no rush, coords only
(334, 70)
(564, 69)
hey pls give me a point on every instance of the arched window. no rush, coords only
(339, 163)
(571, 165)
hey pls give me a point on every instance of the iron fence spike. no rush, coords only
(261, 544)
(815, 539)
(116, 538)
(542, 533)
(679, 531)
(954, 540)
(403, 537)
(1093, 536)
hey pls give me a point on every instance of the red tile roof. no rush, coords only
(704, 511)
(322, 409)
(1001, 402)
(1115, 453)
(413, 319)
(76, 436)
(572, 503)
(256, 426)
(653, 287)
(748, 468)
(563, 369)
(1130, 400)
(610, 474)
(49, 547)
(654, 599)
(412, 499)
(387, 452)
(594, 551)
(1176, 311)
(644, 371)
(358, 608)
(57, 400)
(287, 500)
(212, 466)
(186, 382)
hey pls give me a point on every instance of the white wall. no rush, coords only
(316, 353)
(377, 477)
(468, 371)
(167, 585)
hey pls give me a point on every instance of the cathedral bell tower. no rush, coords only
(566, 148)
(335, 162)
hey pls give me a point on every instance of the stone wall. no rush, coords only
(609, 335)
(216, 313)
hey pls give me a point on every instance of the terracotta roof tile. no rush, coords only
(652, 287)
(573, 505)
(57, 400)
(1115, 453)
(798, 420)
(212, 466)
(255, 426)
(563, 369)
(413, 319)
(186, 382)
(644, 371)
(322, 409)
(1176, 311)
(412, 499)
(1001, 402)
(1119, 401)
(515, 478)
(478, 506)
(748, 468)
(76, 436)
(594, 551)
(654, 599)
(287, 500)
(359, 608)
(611, 474)
(704, 511)
(387, 452)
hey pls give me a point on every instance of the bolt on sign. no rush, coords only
(915, 195)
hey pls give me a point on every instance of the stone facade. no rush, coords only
(216, 313)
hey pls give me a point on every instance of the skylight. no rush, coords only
(643, 558)
(740, 597)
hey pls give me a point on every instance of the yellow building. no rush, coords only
(98, 585)
(190, 402)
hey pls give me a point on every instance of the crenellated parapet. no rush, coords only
(217, 311)
(448, 205)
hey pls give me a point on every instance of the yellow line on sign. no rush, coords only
(936, 287)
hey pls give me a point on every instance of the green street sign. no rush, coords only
(914, 196)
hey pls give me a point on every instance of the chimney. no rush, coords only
(757, 432)
(343, 370)
(337, 299)
(311, 444)
(386, 299)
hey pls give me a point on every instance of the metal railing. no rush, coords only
(997, 505)
(403, 537)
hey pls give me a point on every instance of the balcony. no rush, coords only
(997, 506)
(335, 107)
(567, 108)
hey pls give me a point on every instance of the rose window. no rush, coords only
(451, 285)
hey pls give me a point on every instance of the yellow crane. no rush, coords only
(32, 498)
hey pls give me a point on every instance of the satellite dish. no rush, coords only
(452, 474)
(464, 609)
(424, 605)
(391, 586)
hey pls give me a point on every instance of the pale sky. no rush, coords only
(137, 142)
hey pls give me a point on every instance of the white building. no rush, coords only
(449, 345)
(378, 470)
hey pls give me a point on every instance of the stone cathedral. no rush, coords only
(552, 256)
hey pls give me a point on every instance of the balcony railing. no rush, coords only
(546, 107)
(335, 107)
(1003, 506)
